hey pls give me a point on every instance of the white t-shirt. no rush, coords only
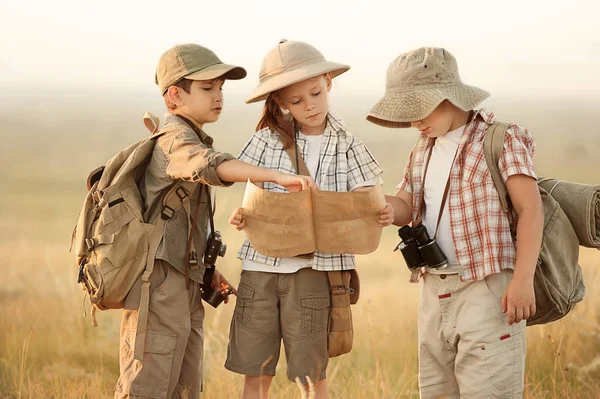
(437, 176)
(312, 160)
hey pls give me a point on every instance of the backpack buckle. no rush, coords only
(181, 193)
(90, 243)
(193, 261)
(167, 212)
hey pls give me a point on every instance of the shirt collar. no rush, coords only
(205, 138)
(334, 125)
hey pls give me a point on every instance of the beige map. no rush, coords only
(289, 224)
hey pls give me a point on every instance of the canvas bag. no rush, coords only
(344, 288)
(114, 245)
(558, 280)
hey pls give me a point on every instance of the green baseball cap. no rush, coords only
(194, 62)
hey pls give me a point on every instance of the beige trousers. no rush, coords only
(172, 364)
(466, 347)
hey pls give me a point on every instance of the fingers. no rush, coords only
(307, 182)
(532, 309)
(503, 303)
(512, 313)
(526, 312)
(518, 314)
(237, 220)
(386, 216)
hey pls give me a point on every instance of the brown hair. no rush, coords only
(185, 85)
(274, 118)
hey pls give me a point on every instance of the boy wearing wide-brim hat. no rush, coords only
(289, 298)
(472, 313)
(190, 78)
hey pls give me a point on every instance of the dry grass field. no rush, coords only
(49, 350)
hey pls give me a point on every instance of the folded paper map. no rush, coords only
(288, 224)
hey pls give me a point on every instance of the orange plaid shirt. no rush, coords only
(481, 230)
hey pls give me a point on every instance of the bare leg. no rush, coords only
(256, 387)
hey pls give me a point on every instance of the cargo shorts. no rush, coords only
(275, 306)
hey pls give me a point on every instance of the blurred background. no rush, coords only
(76, 78)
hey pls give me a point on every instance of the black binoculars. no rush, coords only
(419, 249)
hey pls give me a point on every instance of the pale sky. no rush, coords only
(521, 48)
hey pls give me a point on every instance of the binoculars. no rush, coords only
(418, 249)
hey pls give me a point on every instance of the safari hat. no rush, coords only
(417, 82)
(194, 62)
(291, 62)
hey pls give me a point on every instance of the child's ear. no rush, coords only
(328, 80)
(174, 96)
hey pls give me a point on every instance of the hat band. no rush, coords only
(285, 68)
(406, 89)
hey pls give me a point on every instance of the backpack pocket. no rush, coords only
(118, 250)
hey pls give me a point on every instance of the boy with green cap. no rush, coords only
(473, 312)
(190, 78)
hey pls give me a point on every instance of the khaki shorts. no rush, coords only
(466, 347)
(275, 306)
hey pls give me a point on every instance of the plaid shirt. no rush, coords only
(481, 231)
(344, 163)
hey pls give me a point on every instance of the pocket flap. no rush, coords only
(160, 343)
(245, 292)
(316, 303)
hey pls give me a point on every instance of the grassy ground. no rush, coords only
(48, 350)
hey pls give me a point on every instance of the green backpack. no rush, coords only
(558, 280)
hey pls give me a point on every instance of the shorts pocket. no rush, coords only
(496, 283)
(244, 304)
(315, 314)
(504, 362)
(151, 380)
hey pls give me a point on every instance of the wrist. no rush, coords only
(276, 177)
(522, 276)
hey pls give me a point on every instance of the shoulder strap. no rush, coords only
(492, 149)
(299, 166)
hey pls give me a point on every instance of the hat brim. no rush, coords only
(225, 71)
(262, 91)
(399, 109)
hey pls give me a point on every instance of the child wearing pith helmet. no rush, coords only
(288, 298)
(190, 78)
(473, 311)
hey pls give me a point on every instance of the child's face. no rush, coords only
(307, 101)
(204, 102)
(439, 122)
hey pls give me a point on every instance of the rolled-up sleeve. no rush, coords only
(191, 160)
(362, 165)
(517, 154)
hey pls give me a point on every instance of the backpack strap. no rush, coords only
(177, 197)
(298, 162)
(492, 149)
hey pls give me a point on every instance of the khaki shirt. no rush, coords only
(184, 152)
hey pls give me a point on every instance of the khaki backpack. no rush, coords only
(114, 245)
(558, 281)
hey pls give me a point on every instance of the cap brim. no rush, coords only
(399, 109)
(294, 76)
(224, 71)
